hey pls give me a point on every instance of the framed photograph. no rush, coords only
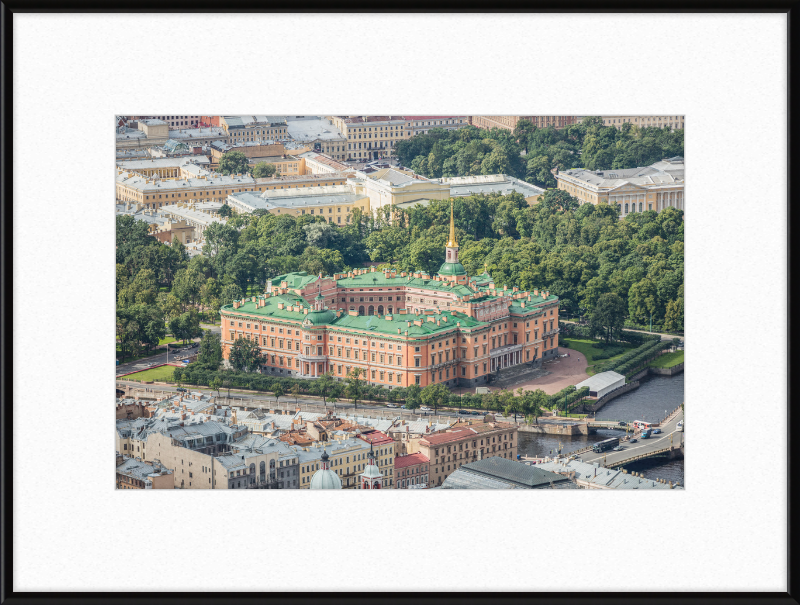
(439, 279)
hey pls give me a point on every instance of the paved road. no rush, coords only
(143, 364)
(655, 442)
(662, 335)
(288, 402)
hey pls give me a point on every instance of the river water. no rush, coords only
(648, 402)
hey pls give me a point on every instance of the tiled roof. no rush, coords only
(410, 460)
(376, 438)
(449, 436)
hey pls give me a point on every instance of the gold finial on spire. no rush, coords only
(452, 243)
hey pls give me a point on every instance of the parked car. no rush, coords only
(623, 424)
(656, 431)
(402, 407)
(619, 448)
(391, 405)
(181, 390)
(476, 413)
(425, 408)
(633, 440)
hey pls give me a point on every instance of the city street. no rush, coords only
(154, 360)
(669, 436)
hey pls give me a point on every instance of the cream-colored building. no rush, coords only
(390, 186)
(510, 122)
(317, 163)
(154, 192)
(422, 124)
(674, 122)
(371, 137)
(335, 202)
(347, 458)
(197, 470)
(632, 190)
(462, 186)
(166, 168)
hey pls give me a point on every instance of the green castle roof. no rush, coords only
(452, 269)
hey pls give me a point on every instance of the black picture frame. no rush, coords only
(7, 594)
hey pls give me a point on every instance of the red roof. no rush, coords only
(410, 460)
(439, 438)
(376, 438)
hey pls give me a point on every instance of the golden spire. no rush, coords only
(452, 243)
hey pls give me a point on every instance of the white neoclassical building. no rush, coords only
(633, 190)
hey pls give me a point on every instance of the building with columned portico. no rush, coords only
(399, 328)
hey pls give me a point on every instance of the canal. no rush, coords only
(648, 402)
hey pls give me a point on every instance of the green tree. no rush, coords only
(186, 326)
(512, 405)
(538, 172)
(277, 390)
(187, 286)
(354, 386)
(323, 386)
(215, 385)
(245, 355)
(233, 162)
(295, 390)
(263, 170)
(209, 355)
(608, 316)
(673, 318)
(225, 211)
(413, 397)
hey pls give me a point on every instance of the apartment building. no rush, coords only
(672, 122)
(510, 122)
(422, 124)
(467, 442)
(371, 137)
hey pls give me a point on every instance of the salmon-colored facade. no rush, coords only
(399, 328)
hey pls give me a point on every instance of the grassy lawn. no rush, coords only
(166, 340)
(141, 356)
(584, 345)
(163, 373)
(668, 360)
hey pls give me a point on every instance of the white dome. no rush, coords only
(325, 479)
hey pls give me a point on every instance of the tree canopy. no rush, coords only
(233, 162)
(531, 153)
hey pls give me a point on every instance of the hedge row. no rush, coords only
(641, 355)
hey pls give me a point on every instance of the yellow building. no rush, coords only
(632, 190)
(153, 192)
(347, 458)
(335, 202)
(371, 137)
